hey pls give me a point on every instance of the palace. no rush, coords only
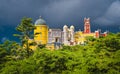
(54, 38)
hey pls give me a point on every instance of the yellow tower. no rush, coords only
(41, 31)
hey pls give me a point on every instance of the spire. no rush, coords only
(40, 17)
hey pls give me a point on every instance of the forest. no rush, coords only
(97, 56)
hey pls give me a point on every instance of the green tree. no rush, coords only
(3, 54)
(95, 58)
(25, 28)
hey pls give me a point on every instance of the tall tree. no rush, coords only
(25, 28)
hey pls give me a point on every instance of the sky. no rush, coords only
(104, 14)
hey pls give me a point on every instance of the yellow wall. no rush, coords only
(80, 37)
(41, 34)
(33, 47)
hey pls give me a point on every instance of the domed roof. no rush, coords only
(72, 27)
(40, 21)
(65, 26)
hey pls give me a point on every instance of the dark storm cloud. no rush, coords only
(112, 15)
(73, 11)
(59, 11)
(13, 10)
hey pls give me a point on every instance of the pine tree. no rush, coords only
(25, 28)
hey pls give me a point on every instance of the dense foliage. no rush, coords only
(98, 56)
(25, 28)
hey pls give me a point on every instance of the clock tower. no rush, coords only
(87, 25)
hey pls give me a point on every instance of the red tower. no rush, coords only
(87, 25)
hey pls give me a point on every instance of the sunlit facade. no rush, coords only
(55, 38)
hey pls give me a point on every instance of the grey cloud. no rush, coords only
(14, 10)
(73, 11)
(111, 16)
(54, 11)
